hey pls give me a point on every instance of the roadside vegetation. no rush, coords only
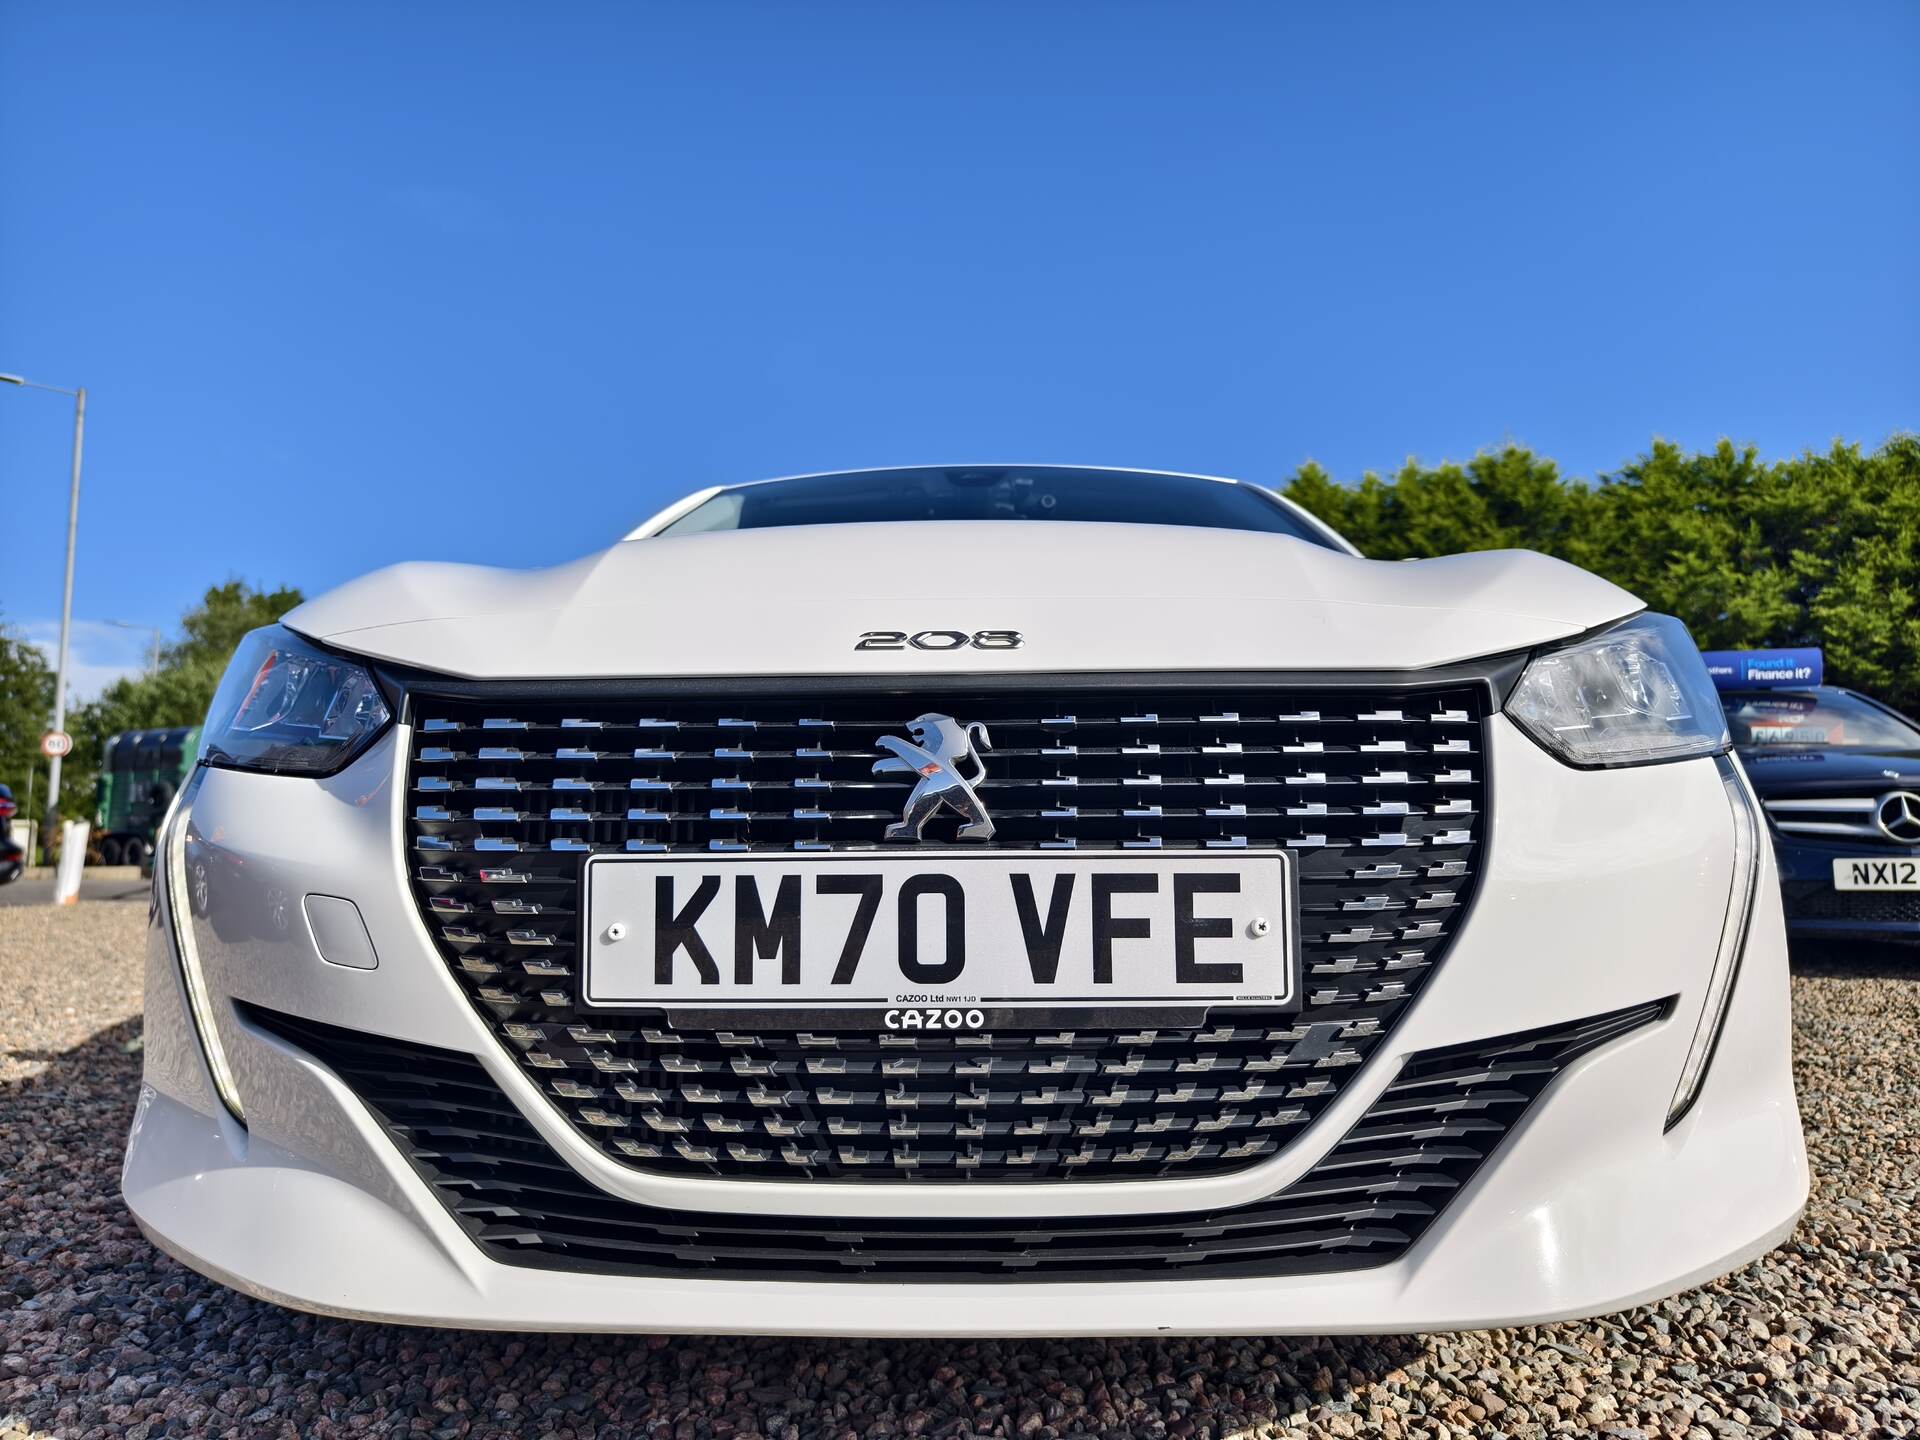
(1823, 549)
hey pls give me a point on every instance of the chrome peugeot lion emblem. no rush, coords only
(940, 746)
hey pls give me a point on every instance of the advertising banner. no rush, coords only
(1789, 669)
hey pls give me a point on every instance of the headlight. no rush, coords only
(287, 706)
(1632, 695)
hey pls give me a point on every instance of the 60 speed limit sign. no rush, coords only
(56, 743)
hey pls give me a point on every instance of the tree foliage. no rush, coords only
(1508, 499)
(26, 710)
(1822, 549)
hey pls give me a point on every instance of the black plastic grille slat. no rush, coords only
(1379, 794)
(1370, 1198)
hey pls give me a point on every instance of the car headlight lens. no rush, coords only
(1632, 695)
(287, 706)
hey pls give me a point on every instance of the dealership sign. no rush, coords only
(1793, 669)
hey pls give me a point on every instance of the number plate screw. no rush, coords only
(617, 930)
(1259, 926)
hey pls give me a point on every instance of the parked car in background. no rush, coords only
(13, 859)
(140, 773)
(1838, 774)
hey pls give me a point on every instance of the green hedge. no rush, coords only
(1819, 550)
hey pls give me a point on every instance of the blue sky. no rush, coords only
(353, 284)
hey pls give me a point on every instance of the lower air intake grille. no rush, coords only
(1378, 792)
(1364, 1204)
(1868, 907)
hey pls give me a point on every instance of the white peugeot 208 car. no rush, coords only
(968, 900)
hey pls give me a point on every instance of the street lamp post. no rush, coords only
(79, 398)
(153, 645)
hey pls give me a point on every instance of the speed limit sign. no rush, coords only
(56, 743)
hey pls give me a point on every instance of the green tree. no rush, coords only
(1707, 537)
(26, 712)
(1501, 499)
(1821, 549)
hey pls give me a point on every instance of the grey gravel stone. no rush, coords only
(100, 1335)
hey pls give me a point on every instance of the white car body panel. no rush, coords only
(1597, 890)
(1086, 597)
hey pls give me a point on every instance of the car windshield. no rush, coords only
(996, 492)
(1815, 719)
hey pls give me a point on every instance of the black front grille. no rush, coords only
(1378, 793)
(1370, 1198)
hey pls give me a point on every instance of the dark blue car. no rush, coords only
(1839, 774)
(13, 859)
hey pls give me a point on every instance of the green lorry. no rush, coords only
(140, 772)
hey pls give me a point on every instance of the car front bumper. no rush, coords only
(1815, 910)
(1601, 890)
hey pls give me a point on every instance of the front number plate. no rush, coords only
(992, 931)
(1876, 874)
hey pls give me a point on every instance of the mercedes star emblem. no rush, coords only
(1898, 815)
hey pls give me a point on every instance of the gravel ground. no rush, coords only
(101, 1335)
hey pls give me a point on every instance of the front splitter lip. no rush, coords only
(1887, 932)
(1005, 1322)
